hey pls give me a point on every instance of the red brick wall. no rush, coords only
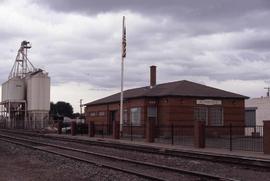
(175, 109)
(96, 109)
(114, 107)
(170, 109)
(181, 111)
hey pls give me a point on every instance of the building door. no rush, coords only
(152, 116)
(112, 119)
(152, 113)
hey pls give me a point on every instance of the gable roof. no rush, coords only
(182, 88)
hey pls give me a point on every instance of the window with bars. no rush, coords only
(213, 116)
(135, 115)
(201, 114)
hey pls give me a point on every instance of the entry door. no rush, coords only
(152, 113)
(112, 119)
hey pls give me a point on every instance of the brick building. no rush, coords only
(180, 102)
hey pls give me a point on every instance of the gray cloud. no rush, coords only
(206, 8)
(205, 16)
(79, 41)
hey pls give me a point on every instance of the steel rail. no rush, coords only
(85, 160)
(176, 170)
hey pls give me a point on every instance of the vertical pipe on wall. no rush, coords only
(172, 133)
(9, 113)
(230, 136)
(25, 118)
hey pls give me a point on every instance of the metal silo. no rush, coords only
(13, 89)
(13, 104)
(38, 98)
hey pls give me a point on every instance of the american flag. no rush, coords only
(124, 39)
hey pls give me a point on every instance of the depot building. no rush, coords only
(180, 102)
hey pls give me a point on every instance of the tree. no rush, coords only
(61, 108)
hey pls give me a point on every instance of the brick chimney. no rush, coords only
(153, 69)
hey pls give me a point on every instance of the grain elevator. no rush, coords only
(25, 95)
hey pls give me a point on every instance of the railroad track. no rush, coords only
(242, 161)
(134, 167)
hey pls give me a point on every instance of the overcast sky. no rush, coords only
(224, 43)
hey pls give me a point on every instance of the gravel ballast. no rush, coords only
(96, 173)
(222, 169)
(24, 164)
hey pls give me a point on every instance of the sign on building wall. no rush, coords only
(209, 102)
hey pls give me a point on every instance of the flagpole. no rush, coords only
(122, 95)
(123, 55)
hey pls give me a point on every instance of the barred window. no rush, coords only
(201, 114)
(215, 116)
(135, 115)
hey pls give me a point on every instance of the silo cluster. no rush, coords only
(25, 95)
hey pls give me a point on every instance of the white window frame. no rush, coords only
(135, 115)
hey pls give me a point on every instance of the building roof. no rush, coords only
(182, 88)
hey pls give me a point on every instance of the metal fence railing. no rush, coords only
(133, 132)
(174, 134)
(231, 137)
(247, 138)
(82, 128)
(103, 130)
(226, 137)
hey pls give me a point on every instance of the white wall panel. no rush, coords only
(38, 92)
(13, 89)
(263, 108)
